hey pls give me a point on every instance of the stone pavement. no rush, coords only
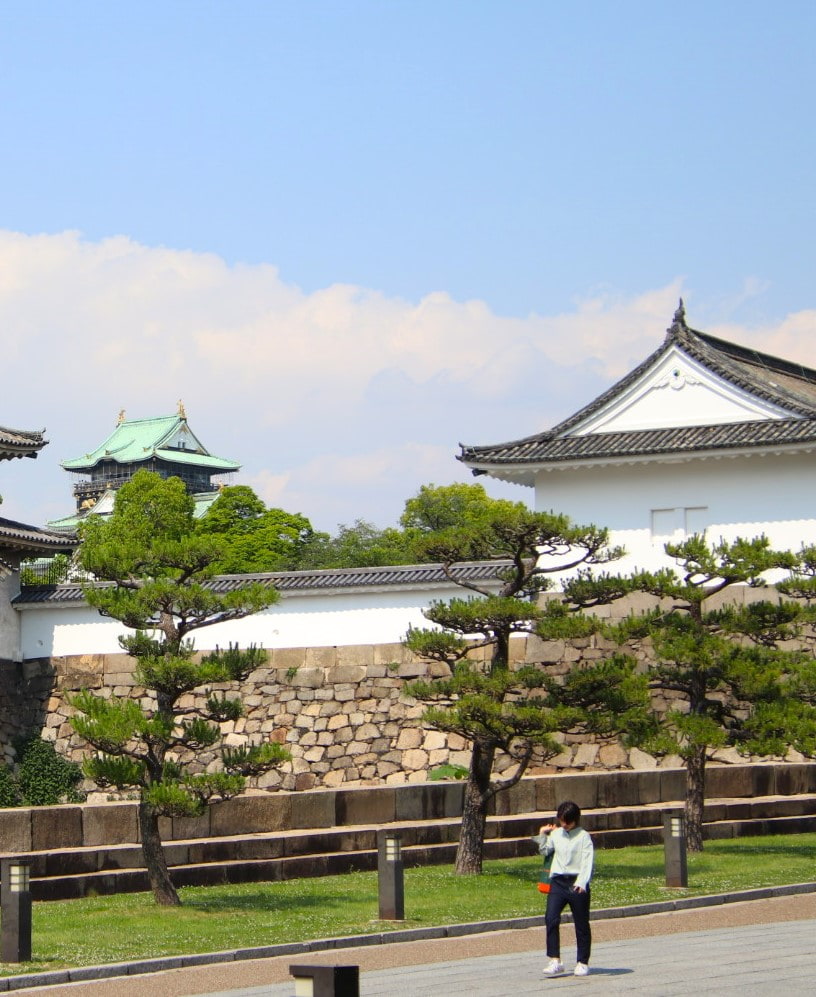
(741, 961)
(724, 948)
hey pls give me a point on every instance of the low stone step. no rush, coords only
(327, 863)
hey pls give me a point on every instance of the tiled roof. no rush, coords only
(335, 579)
(21, 537)
(787, 385)
(20, 443)
(137, 440)
(545, 448)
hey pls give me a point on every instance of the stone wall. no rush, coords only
(341, 711)
(48, 829)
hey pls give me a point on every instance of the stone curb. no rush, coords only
(85, 973)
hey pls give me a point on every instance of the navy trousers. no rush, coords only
(562, 895)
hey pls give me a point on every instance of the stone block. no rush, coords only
(56, 827)
(84, 664)
(285, 658)
(355, 654)
(117, 663)
(252, 814)
(519, 799)
(618, 789)
(429, 801)
(184, 828)
(307, 678)
(412, 669)
(376, 805)
(415, 760)
(545, 651)
(109, 824)
(792, 779)
(123, 679)
(386, 654)
(649, 785)
(346, 674)
(546, 797)
(15, 830)
(581, 789)
(320, 657)
(641, 761)
(313, 809)
(586, 754)
(612, 756)
(672, 785)
(731, 780)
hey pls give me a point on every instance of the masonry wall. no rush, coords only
(342, 711)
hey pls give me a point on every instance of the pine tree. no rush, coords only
(487, 702)
(722, 662)
(150, 567)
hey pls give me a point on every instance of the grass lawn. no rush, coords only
(129, 926)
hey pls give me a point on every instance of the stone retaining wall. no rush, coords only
(341, 711)
(44, 829)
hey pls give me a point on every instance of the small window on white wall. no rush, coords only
(671, 525)
(696, 519)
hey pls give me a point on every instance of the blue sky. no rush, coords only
(351, 234)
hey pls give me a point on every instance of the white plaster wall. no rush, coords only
(9, 620)
(298, 620)
(744, 496)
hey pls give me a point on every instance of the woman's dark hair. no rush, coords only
(569, 812)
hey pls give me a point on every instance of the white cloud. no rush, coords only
(339, 403)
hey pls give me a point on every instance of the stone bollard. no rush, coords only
(326, 981)
(674, 846)
(15, 911)
(390, 879)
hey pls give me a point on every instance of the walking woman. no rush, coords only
(570, 873)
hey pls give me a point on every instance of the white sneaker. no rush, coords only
(581, 969)
(553, 967)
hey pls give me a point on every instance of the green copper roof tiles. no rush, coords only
(137, 440)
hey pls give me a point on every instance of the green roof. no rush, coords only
(137, 440)
(202, 500)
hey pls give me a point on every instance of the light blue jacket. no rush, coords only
(573, 853)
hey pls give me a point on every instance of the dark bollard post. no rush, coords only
(674, 845)
(15, 911)
(326, 981)
(390, 876)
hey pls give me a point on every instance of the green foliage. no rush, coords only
(249, 760)
(43, 777)
(448, 772)
(48, 571)
(487, 702)
(252, 537)
(156, 562)
(360, 545)
(727, 669)
(441, 507)
(9, 790)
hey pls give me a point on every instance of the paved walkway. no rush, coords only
(741, 948)
(728, 961)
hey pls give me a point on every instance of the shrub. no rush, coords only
(9, 793)
(44, 778)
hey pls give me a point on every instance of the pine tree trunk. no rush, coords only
(695, 799)
(474, 810)
(163, 890)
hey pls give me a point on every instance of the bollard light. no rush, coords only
(326, 981)
(674, 847)
(19, 878)
(390, 878)
(15, 911)
(393, 848)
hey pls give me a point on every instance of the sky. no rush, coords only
(351, 235)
